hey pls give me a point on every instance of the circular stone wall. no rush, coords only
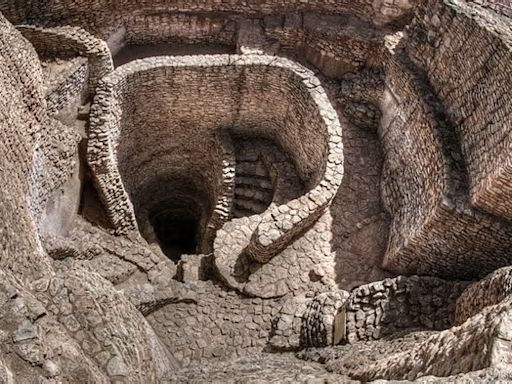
(155, 125)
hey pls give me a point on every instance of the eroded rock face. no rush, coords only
(60, 323)
(253, 184)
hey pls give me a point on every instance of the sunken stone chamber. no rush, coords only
(157, 132)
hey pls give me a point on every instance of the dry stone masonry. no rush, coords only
(255, 191)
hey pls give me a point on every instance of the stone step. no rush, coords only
(240, 212)
(254, 194)
(251, 169)
(250, 205)
(254, 182)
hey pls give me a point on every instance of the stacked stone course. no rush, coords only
(49, 330)
(69, 42)
(466, 51)
(453, 237)
(387, 307)
(290, 209)
(308, 154)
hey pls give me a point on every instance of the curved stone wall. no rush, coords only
(309, 322)
(100, 15)
(175, 137)
(336, 37)
(468, 57)
(185, 101)
(435, 229)
(66, 41)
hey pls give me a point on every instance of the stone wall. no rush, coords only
(466, 51)
(481, 342)
(304, 322)
(391, 306)
(434, 230)
(503, 7)
(336, 37)
(109, 308)
(477, 350)
(221, 324)
(36, 152)
(67, 86)
(334, 44)
(489, 291)
(69, 42)
(42, 340)
(246, 104)
(177, 27)
(101, 15)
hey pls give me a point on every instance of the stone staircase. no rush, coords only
(254, 190)
(261, 170)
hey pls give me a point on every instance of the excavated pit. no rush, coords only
(231, 201)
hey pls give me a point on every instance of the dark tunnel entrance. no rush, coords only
(176, 230)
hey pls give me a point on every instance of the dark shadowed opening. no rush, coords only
(176, 230)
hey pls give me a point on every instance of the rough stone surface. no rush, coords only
(303, 322)
(253, 179)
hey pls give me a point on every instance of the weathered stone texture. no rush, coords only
(101, 15)
(36, 155)
(221, 324)
(65, 42)
(489, 291)
(466, 51)
(333, 133)
(435, 230)
(309, 322)
(469, 347)
(335, 36)
(50, 319)
(481, 342)
(259, 368)
(248, 89)
(387, 307)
